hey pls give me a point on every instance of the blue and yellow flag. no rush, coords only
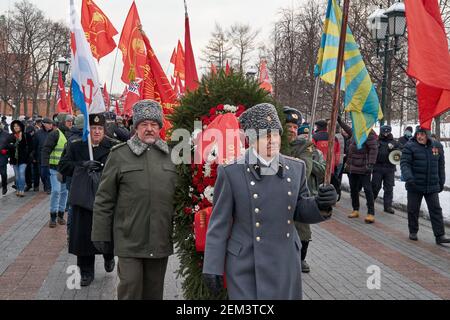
(361, 99)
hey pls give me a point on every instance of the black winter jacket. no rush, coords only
(23, 149)
(385, 146)
(403, 140)
(424, 165)
(4, 147)
(359, 160)
(38, 143)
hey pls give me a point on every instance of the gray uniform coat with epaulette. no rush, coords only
(251, 235)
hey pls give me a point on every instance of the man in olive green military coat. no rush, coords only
(304, 150)
(134, 206)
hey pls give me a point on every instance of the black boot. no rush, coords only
(442, 239)
(303, 252)
(4, 190)
(389, 210)
(413, 236)
(86, 279)
(52, 222)
(109, 265)
(61, 220)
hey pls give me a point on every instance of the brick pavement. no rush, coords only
(34, 258)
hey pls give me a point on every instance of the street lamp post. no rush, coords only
(383, 25)
(251, 72)
(63, 66)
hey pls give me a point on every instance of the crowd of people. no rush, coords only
(113, 210)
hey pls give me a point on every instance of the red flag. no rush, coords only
(69, 101)
(227, 69)
(133, 95)
(428, 58)
(191, 76)
(61, 100)
(179, 70)
(173, 58)
(99, 30)
(264, 77)
(133, 48)
(117, 110)
(106, 97)
(156, 84)
(179, 89)
(213, 69)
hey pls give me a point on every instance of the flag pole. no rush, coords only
(336, 94)
(314, 107)
(114, 70)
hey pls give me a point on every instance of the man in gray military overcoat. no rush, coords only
(251, 236)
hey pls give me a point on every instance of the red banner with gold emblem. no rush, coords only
(133, 48)
(156, 86)
(99, 30)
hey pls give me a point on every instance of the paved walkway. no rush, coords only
(34, 258)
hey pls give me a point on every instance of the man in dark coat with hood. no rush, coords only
(384, 170)
(74, 163)
(423, 168)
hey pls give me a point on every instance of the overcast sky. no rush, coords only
(163, 22)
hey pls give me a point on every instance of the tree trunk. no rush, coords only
(25, 104)
(437, 122)
(48, 108)
(35, 103)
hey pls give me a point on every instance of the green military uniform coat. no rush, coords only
(304, 150)
(135, 200)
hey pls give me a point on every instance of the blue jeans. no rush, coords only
(58, 198)
(19, 171)
(45, 177)
(69, 207)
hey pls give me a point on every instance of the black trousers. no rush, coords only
(386, 177)
(358, 181)
(87, 263)
(434, 208)
(4, 175)
(32, 175)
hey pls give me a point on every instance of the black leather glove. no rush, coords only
(213, 282)
(326, 197)
(103, 246)
(369, 168)
(411, 185)
(92, 165)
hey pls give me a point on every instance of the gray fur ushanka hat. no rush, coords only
(262, 116)
(147, 110)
